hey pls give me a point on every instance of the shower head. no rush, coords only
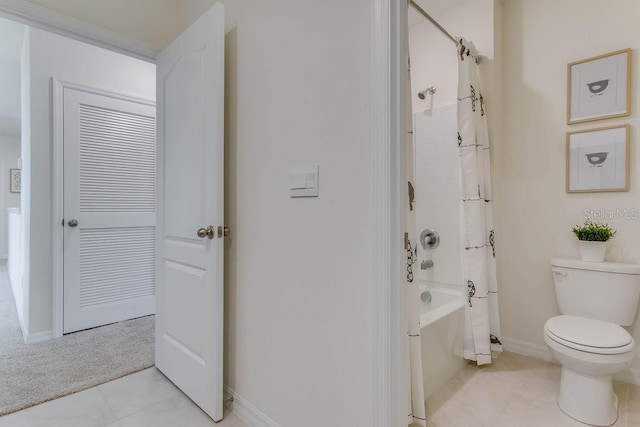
(430, 91)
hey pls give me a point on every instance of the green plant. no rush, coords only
(594, 232)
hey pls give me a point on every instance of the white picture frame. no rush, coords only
(598, 160)
(599, 88)
(15, 180)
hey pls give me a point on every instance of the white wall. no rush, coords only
(11, 36)
(9, 155)
(534, 213)
(298, 283)
(50, 56)
(433, 55)
(151, 21)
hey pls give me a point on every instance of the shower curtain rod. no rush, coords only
(477, 58)
(433, 21)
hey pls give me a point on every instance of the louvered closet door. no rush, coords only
(109, 190)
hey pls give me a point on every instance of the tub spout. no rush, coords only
(426, 264)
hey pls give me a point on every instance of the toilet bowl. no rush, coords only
(595, 299)
(590, 351)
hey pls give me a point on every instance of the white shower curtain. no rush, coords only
(482, 337)
(416, 413)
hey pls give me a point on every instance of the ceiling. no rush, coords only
(433, 8)
(11, 36)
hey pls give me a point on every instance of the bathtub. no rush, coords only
(441, 334)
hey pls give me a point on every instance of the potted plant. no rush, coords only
(592, 240)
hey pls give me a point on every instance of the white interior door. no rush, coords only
(189, 331)
(109, 209)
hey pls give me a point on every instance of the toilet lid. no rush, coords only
(588, 333)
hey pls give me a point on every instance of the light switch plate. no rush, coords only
(304, 181)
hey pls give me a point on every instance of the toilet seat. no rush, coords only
(588, 335)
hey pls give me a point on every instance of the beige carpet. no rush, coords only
(36, 373)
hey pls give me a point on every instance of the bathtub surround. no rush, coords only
(482, 334)
(437, 173)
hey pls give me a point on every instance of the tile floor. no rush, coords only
(144, 399)
(514, 391)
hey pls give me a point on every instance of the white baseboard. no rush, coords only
(251, 415)
(631, 376)
(38, 337)
(541, 352)
(524, 348)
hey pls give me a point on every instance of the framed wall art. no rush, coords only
(15, 180)
(599, 87)
(598, 160)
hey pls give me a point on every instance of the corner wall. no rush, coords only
(534, 213)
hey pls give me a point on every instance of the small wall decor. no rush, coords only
(599, 87)
(15, 180)
(598, 160)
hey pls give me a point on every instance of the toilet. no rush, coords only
(595, 300)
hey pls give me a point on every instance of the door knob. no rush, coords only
(206, 232)
(73, 223)
(223, 231)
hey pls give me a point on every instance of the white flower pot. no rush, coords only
(592, 251)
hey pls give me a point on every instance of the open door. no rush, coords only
(189, 263)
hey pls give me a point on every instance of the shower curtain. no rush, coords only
(417, 413)
(482, 338)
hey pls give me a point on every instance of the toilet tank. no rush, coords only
(597, 290)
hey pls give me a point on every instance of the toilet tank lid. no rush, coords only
(609, 267)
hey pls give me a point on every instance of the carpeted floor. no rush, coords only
(36, 373)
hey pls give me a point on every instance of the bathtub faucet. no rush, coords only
(426, 264)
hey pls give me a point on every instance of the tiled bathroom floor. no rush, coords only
(144, 399)
(514, 391)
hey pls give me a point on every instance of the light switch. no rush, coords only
(303, 181)
(298, 181)
(310, 180)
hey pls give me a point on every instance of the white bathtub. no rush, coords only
(441, 334)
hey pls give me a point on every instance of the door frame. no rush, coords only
(389, 53)
(57, 150)
(388, 43)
